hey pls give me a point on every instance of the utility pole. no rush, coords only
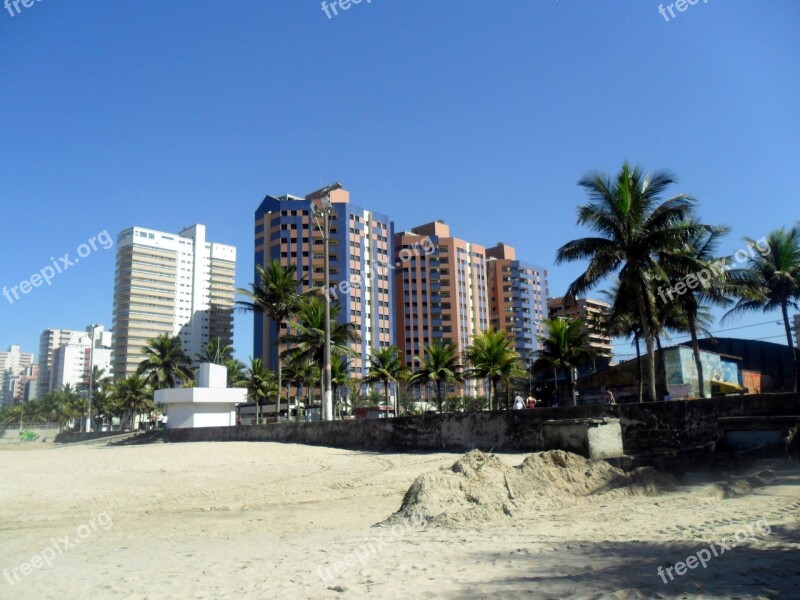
(324, 213)
(91, 376)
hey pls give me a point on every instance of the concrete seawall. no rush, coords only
(646, 428)
(11, 436)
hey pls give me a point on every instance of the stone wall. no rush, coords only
(646, 428)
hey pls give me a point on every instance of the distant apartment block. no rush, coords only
(49, 343)
(441, 296)
(14, 366)
(65, 356)
(591, 312)
(361, 245)
(72, 362)
(517, 297)
(175, 284)
(18, 388)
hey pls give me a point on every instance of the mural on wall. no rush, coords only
(682, 372)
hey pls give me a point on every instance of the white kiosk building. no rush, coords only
(211, 404)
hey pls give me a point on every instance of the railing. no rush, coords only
(30, 426)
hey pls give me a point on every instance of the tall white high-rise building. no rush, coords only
(180, 285)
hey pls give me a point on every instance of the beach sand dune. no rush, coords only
(205, 521)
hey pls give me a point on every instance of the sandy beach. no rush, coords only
(265, 520)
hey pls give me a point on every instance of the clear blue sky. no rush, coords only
(484, 114)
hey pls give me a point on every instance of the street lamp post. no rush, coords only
(324, 213)
(91, 376)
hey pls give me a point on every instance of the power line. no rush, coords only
(772, 337)
(686, 335)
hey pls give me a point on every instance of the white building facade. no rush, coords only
(180, 285)
(68, 356)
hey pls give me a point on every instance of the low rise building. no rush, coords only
(591, 311)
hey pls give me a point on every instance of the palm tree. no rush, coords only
(133, 395)
(385, 368)
(340, 375)
(635, 229)
(102, 400)
(217, 352)
(699, 257)
(439, 365)
(301, 372)
(308, 340)
(621, 320)
(492, 356)
(260, 383)
(771, 280)
(165, 362)
(565, 348)
(59, 406)
(274, 294)
(236, 371)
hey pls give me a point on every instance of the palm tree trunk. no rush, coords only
(439, 395)
(696, 351)
(650, 362)
(571, 387)
(785, 310)
(662, 362)
(639, 365)
(386, 397)
(278, 404)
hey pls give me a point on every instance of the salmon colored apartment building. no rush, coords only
(461, 289)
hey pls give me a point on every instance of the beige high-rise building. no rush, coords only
(180, 285)
(590, 311)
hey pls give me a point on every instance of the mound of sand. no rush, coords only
(479, 488)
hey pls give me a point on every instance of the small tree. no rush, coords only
(440, 366)
(491, 356)
(565, 347)
(385, 368)
(771, 281)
